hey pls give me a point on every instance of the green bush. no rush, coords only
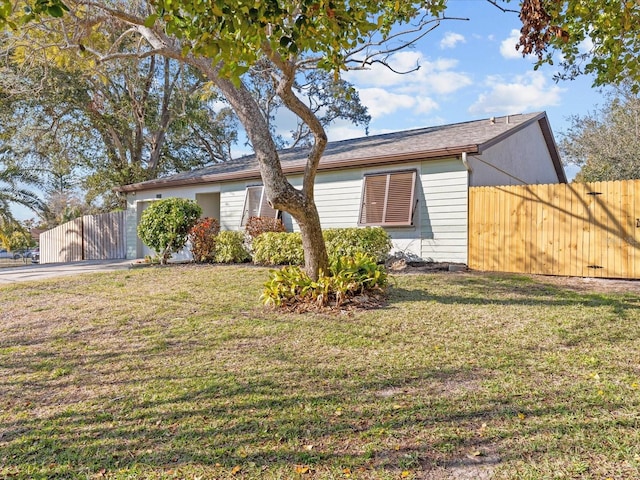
(373, 241)
(348, 279)
(286, 248)
(278, 248)
(165, 224)
(230, 247)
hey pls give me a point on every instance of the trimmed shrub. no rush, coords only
(165, 224)
(286, 248)
(203, 239)
(278, 248)
(230, 247)
(373, 241)
(258, 225)
(351, 280)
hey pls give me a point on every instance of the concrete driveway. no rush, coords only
(51, 270)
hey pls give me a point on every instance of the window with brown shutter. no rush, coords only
(256, 205)
(388, 199)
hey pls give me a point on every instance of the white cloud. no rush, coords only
(508, 46)
(344, 130)
(446, 82)
(381, 102)
(526, 92)
(425, 105)
(451, 39)
(586, 45)
(433, 77)
(381, 76)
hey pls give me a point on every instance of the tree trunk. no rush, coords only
(316, 260)
(280, 193)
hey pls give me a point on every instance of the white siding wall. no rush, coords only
(444, 218)
(338, 197)
(522, 158)
(440, 222)
(230, 195)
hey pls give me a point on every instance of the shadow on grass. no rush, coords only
(261, 422)
(104, 412)
(514, 290)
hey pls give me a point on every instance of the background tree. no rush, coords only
(16, 239)
(605, 143)
(107, 124)
(330, 98)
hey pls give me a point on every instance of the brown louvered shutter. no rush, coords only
(400, 198)
(373, 200)
(388, 199)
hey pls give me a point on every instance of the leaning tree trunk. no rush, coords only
(280, 193)
(316, 260)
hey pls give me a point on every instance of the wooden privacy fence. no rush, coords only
(91, 237)
(584, 230)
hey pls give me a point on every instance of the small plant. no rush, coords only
(202, 237)
(230, 247)
(348, 279)
(278, 248)
(152, 260)
(258, 225)
(373, 241)
(165, 224)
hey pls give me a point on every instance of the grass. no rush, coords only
(178, 373)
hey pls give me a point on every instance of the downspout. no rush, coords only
(465, 162)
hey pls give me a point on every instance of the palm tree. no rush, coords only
(13, 182)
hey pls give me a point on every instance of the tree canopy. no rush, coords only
(81, 123)
(596, 37)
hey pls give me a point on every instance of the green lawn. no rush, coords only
(179, 373)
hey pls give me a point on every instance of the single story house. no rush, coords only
(413, 183)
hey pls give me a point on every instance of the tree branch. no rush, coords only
(297, 106)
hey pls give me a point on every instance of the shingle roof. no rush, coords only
(423, 143)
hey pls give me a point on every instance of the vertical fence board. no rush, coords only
(616, 233)
(631, 244)
(557, 229)
(584, 212)
(564, 232)
(599, 234)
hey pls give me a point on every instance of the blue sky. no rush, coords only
(469, 70)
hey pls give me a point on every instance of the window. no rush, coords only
(388, 199)
(256, 205)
